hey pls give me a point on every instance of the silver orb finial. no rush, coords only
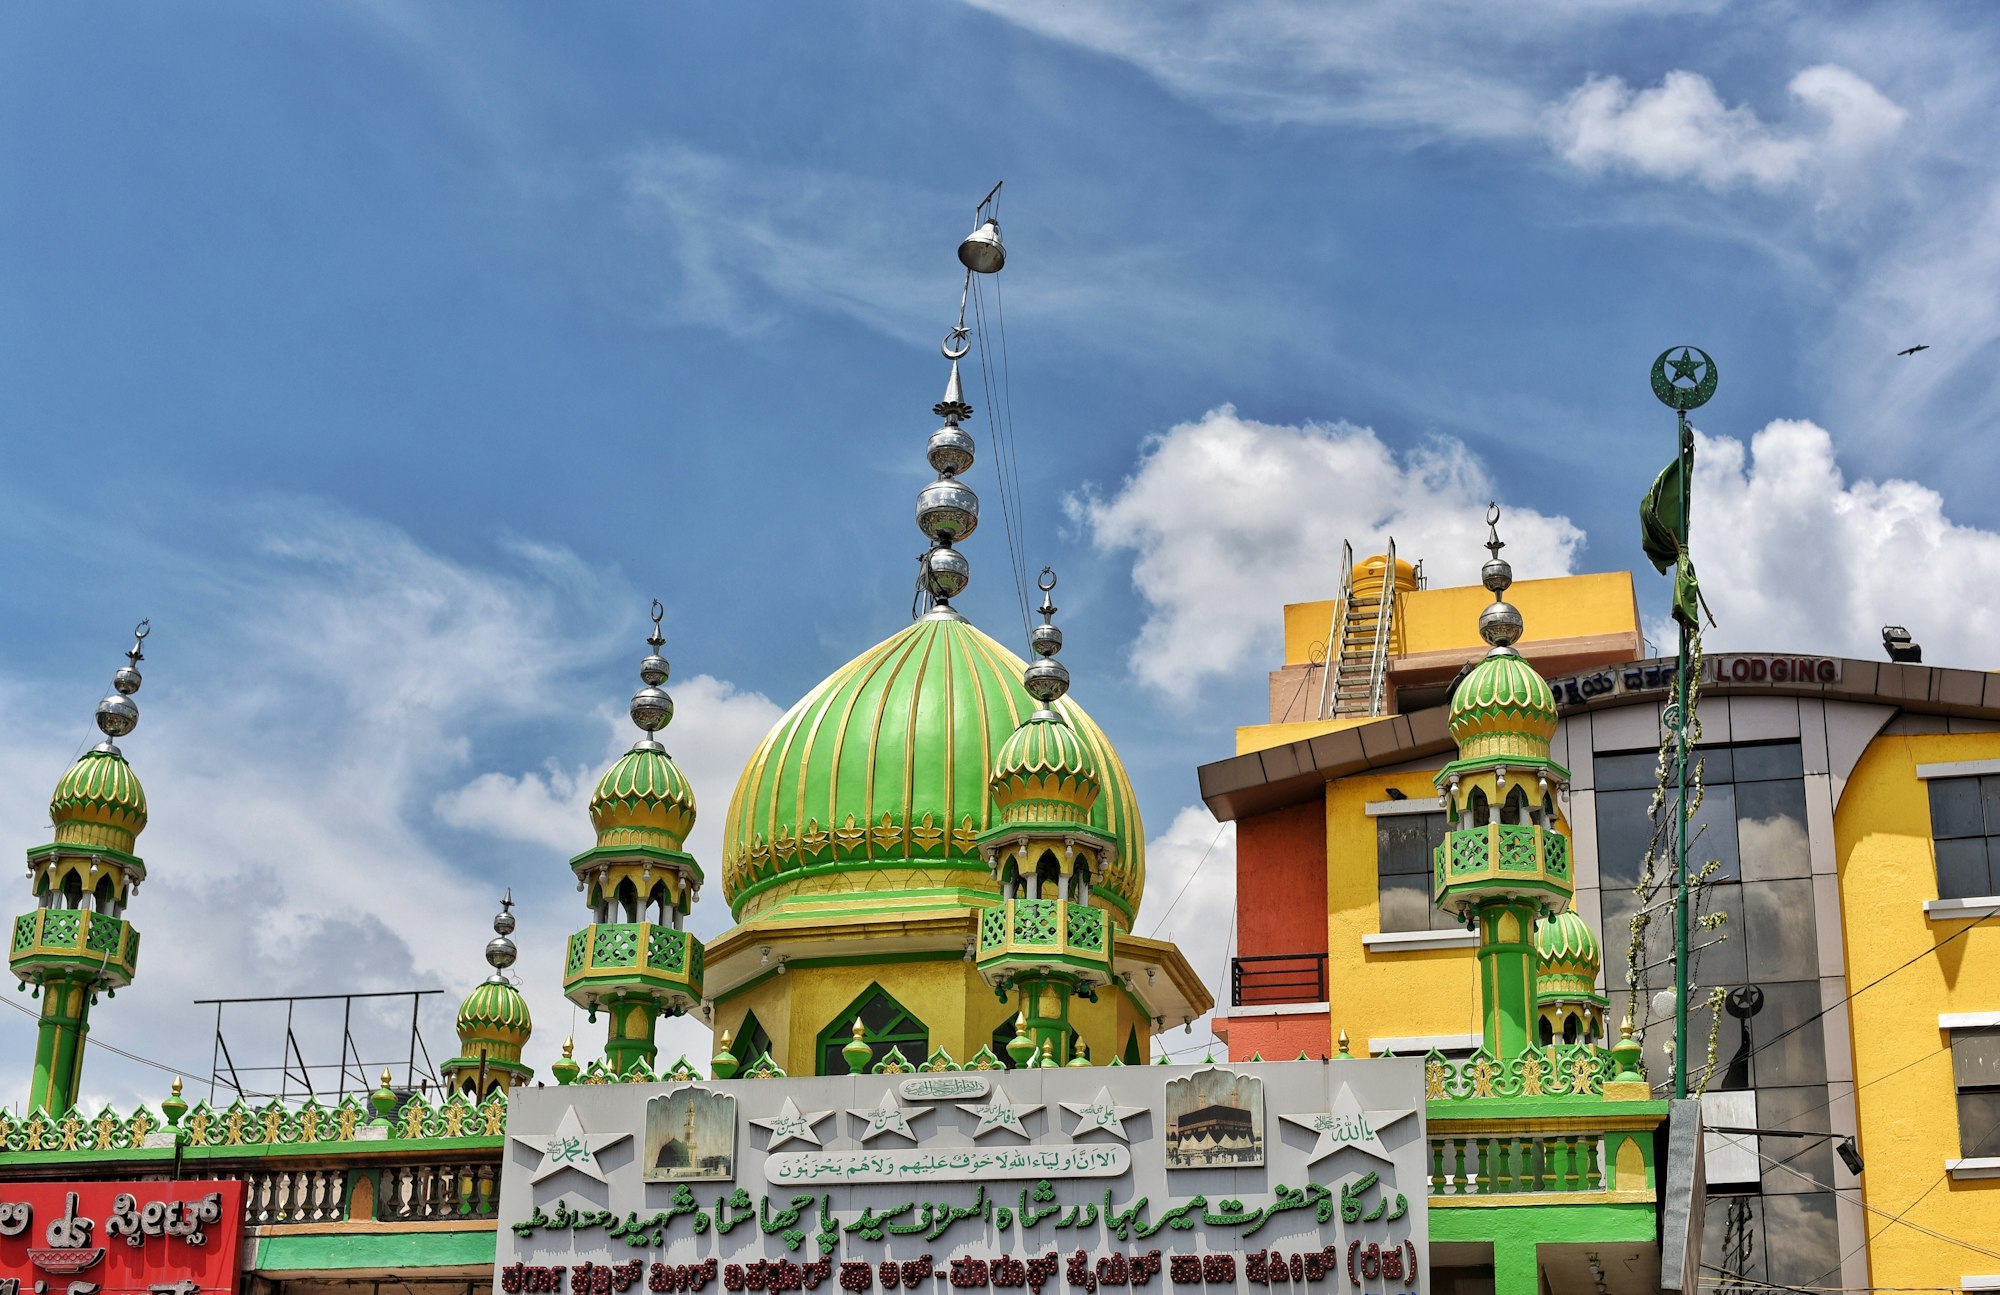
(500, 951)
(1500, 623)
(1045, 678)
(118, 714)
(652, 709)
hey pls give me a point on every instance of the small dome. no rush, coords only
(1503, 708)
(1044, 773)
(1567, 958)
(494, 1011)
(99, 803)
(1567, 940)
(644, 800)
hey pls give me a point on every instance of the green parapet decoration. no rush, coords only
(1082, 1057)
(174, 1107)
(1115, 1061)
(1021, 1048)
(723, 1064)
(984, 1059)
(764, 1068)
(940, 1062)
(1257, 1056)
(895, 1063)
(564, 1068)
(383, 1100)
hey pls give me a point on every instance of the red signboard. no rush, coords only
(120, 1238)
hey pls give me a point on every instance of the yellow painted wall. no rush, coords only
(1444, 619)
(947, 994)
(1908, 1117)
(1380, 994)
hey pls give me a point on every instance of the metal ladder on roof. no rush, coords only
(1357, 674)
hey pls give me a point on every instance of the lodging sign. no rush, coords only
(1026, 1182)
(150, 1238)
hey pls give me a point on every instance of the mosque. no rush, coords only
(934, 862)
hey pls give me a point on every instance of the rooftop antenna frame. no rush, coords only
(301, 1074)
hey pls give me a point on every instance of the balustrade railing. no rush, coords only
(1496, 1164)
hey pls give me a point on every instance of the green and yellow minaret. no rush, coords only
(77, 942)
(1046, 943)
(636, 959)
(1505, 861)
(493, 1022)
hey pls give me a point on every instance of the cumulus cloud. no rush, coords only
(1190, 887)
(1681, 129)
(1228, 519)
(314, 696)
(1796, 557)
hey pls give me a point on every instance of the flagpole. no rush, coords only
(1681, 710)
(1669, 375)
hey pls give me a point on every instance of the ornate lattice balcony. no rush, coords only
(1020, 935)
(1500, 860)
(613, 956)
(54, 941)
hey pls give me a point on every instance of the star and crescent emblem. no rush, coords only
(792, 1125)
(1684, 381)
(1347, 1127)
(569, 1147)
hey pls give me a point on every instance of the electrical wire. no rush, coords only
(999, 429)
(1190, 881)
(1013, 438)
(93, 1041)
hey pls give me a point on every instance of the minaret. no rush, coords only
(77, 940)
(1045, 942)
(493, 1022)
(636, 959)
(1505, 861)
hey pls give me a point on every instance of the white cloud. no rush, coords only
(1228, 519)
(1681, 129)
(1190, 885)
(305, 707)
(715, 729)
(1795, 557)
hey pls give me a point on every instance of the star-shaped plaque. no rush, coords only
(999, 1113)
(569, 1147)
(888, 1117)
(1101, 1113)
(792, 1124)
(1347, 1127)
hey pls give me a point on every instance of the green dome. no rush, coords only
(99, 802)
(1503, 708)
(494, 1011)
(643, 799)
(1044, 773)
(886, 767)
(1567, 940)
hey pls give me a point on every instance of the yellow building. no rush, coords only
(1846, 808)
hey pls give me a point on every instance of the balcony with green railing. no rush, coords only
(1502, 858)
(612, 956)
(1024, 934)
(65, 941)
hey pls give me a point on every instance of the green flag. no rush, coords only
(1660, 518)
(1659, 532)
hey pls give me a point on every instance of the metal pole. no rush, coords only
(1681, 710)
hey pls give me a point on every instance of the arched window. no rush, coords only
(885, 1024)
(1048, 877)
(1571, 1028)
(1475, 808)
(104, 895)
(72, 891)
(753, 1040)
(1548, 1032)
(1517, 807)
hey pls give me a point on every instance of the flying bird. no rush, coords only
(1922, 346)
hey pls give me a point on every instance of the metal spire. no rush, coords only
(1500, 624)
(947, 509)
(118, 714)
(500, 951)
(1046, 678)
(652, 708)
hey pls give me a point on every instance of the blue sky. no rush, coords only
(392, 358)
